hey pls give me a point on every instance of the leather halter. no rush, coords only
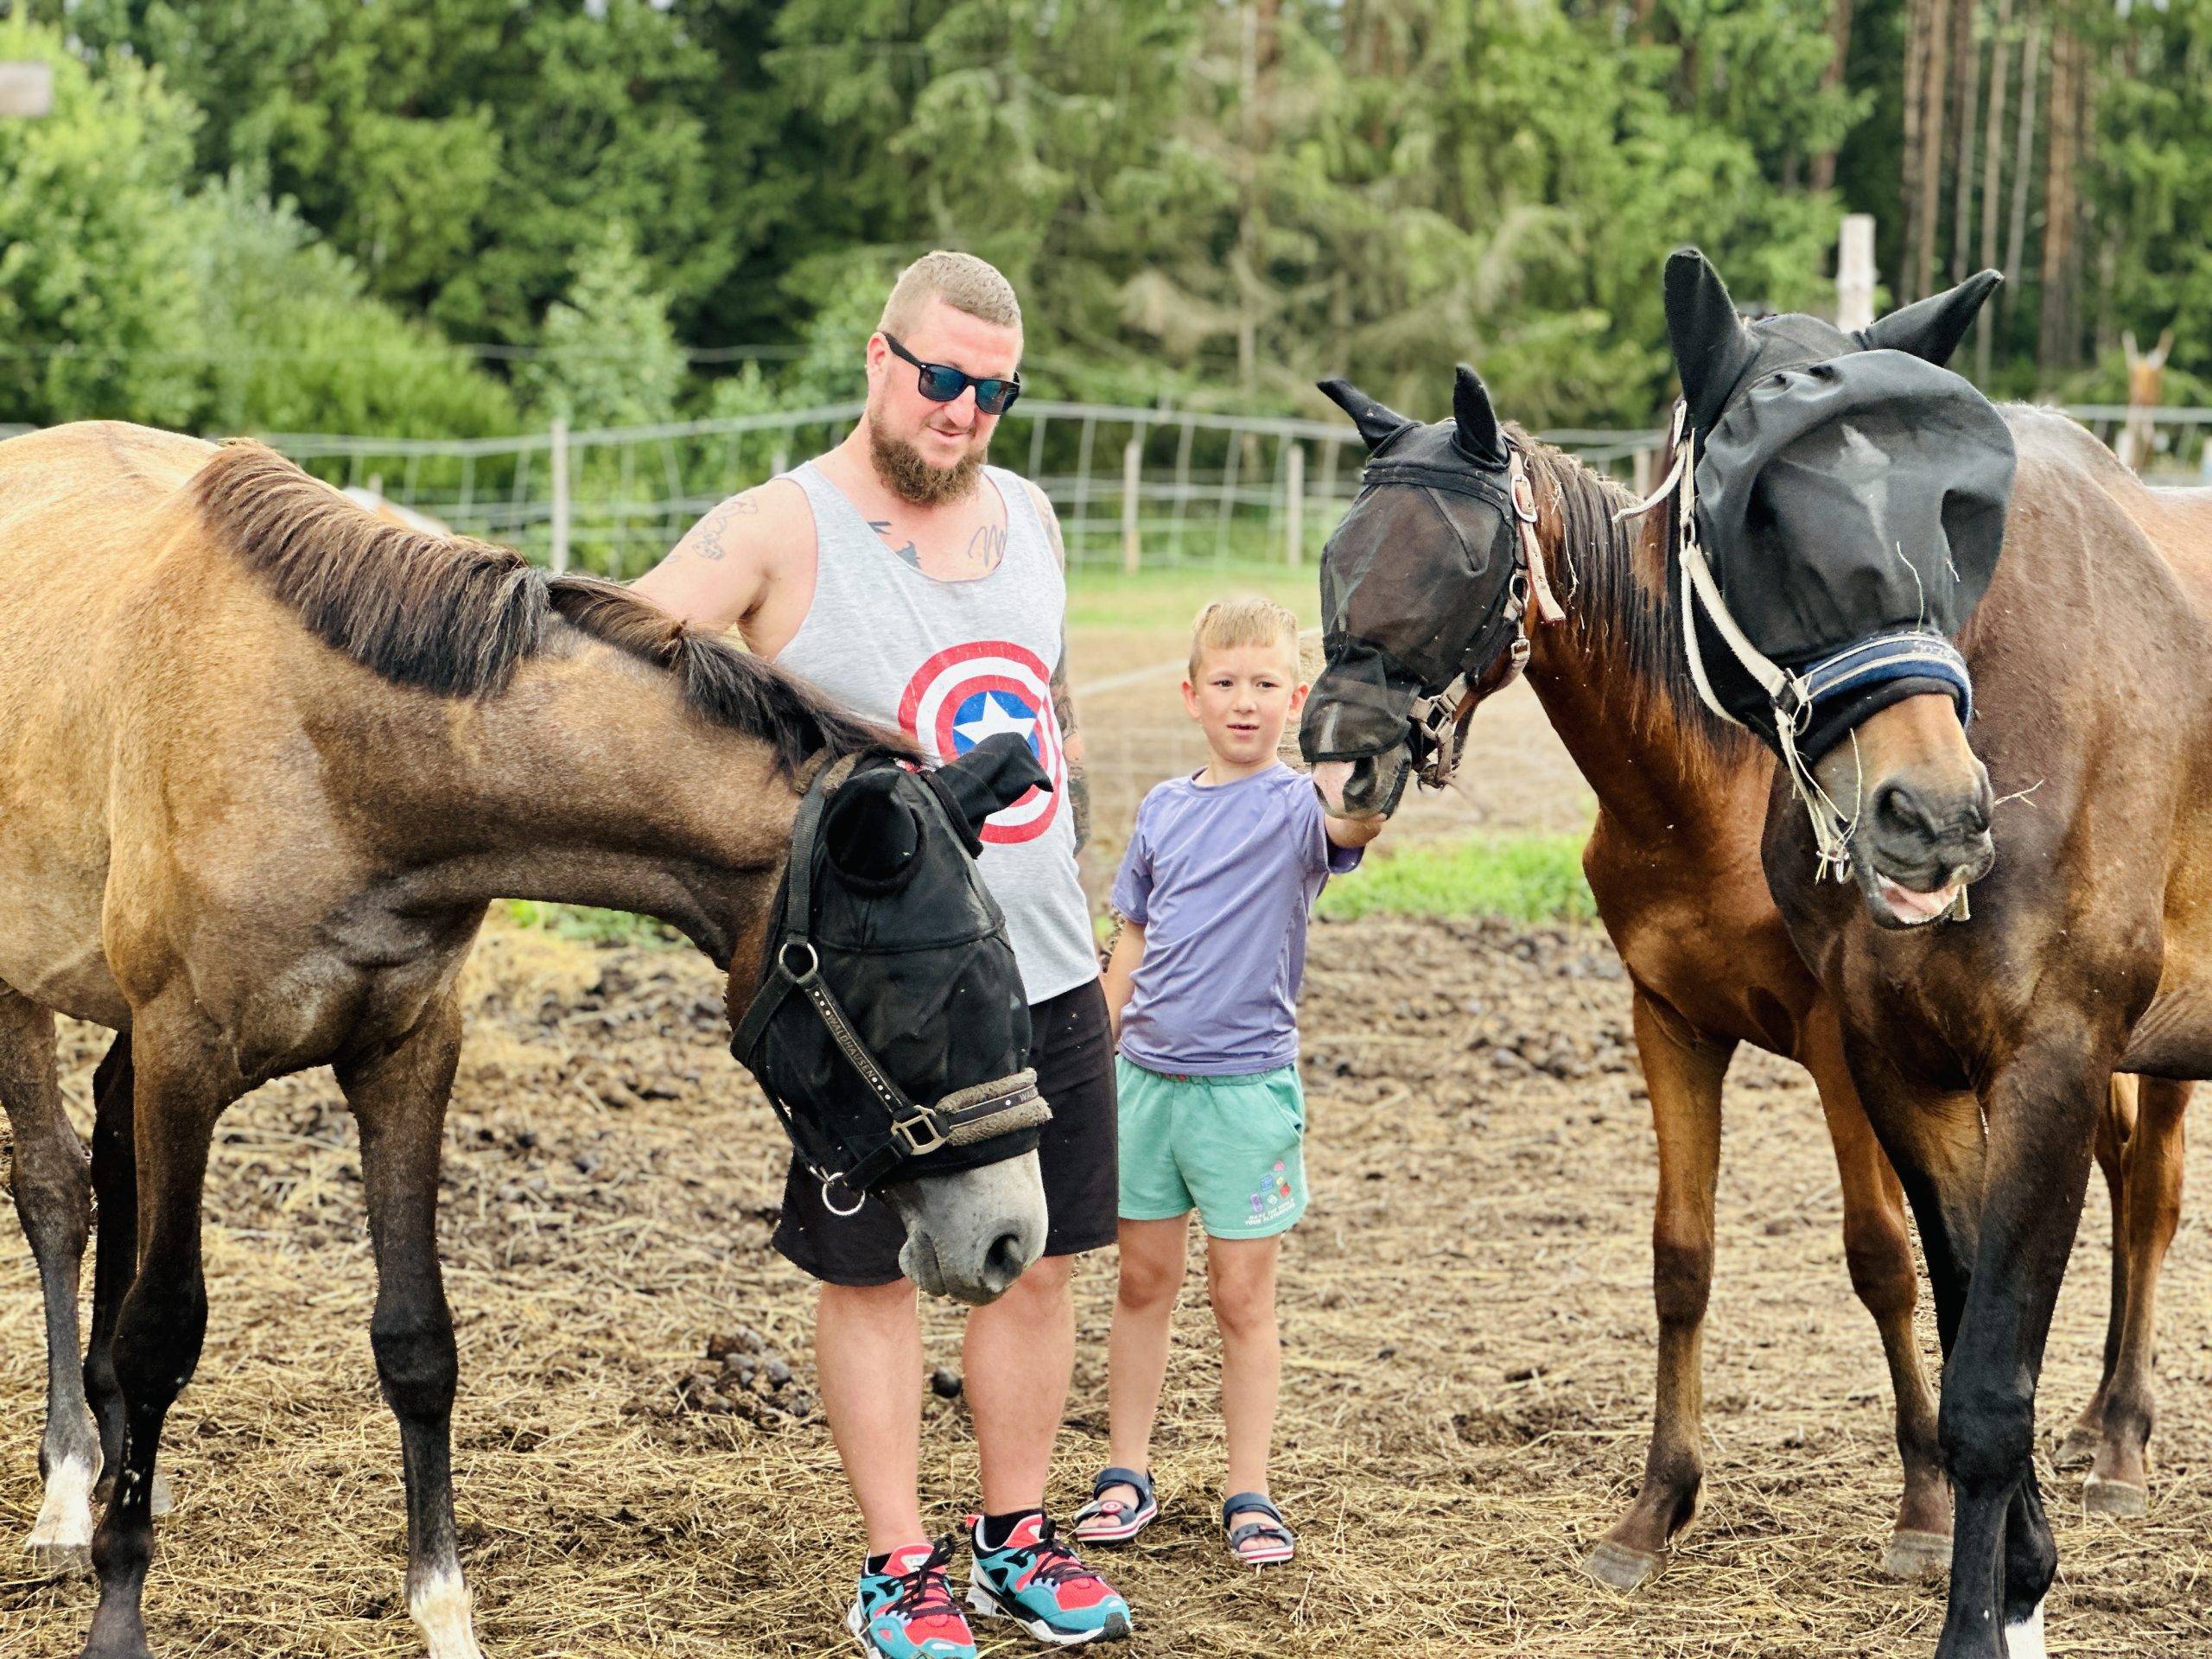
(1441, 720)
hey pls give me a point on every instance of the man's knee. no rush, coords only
(1044, 1283)
(868, 1304)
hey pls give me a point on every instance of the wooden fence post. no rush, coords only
(1293, 523)
(560, 463)
(1132, 503)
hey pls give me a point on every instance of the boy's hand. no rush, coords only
(1351, 832)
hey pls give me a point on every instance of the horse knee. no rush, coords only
(1987, 1432)
(1880, 1260)
(1682, 1281)
(417, 1361)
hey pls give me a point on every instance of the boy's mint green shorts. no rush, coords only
(1233, 1149)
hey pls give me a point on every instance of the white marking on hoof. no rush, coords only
(444, 1612)
(2025, 1639)
(65, 1519)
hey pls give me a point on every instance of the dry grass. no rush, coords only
(1467, 1317)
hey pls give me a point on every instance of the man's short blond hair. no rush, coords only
(961, 280)
(1246, 619)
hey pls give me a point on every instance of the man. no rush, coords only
(920, 588)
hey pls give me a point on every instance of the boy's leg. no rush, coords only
(1241, 1273)
(1144, 1305)
(867, 1358)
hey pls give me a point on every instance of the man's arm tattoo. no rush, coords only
(709, 537)
(1071, 751)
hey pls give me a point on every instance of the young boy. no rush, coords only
(1221, 873)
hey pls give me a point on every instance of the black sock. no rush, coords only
(997, 1529)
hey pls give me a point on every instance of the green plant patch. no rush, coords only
(1520, 878)
(588, 925)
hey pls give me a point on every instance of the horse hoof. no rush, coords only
(50, 1560)
(1913, 1555)
(2079, 1449)
(2115, 1499)
(1618, 1566)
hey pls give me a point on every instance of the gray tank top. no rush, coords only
(950, 663)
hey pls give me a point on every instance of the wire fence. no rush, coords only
(1134, 487)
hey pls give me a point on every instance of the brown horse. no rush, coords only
(1984, 1050)
(266, 760)
(1673, 862)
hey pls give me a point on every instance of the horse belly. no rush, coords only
(2174, 1037)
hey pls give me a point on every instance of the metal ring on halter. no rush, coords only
(828, 1204)
(813, 961)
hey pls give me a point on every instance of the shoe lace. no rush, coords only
(924, 1588)
(1056, 1563)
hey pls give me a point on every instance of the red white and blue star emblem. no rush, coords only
(968, 693)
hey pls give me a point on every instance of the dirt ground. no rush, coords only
(1466, 1313)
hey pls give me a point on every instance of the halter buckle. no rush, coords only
(904, 1128)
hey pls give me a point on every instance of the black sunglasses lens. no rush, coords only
(941, 385)
(995, 396)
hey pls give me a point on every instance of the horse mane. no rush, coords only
(454, 616)
(1613, 581)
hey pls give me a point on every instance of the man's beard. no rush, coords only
(912, 479)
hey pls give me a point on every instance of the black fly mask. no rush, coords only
(1424, 586)
(889, 1030)
(1839, 504)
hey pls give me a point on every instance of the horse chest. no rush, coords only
(320, 1006)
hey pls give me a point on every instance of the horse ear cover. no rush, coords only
(1711, 346)
(869, 834)
(1377, 424)
(991, 777)
(1474, 420)
(1932, 328)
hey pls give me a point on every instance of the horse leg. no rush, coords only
(115, 1257)
(53, 1197)
(2115, 1128)
(1682, 1073)
(162, 1317)
(2042, 1106)
(1878, 1250)
(2118, 1484)
(398, 1094)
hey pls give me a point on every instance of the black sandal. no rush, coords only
(1257, 1544)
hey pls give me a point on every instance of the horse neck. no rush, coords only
(1634, 743)
(587, 782)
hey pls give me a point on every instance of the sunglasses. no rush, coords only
(941, 383)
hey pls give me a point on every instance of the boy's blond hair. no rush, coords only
(1246, 619)
(961, 280)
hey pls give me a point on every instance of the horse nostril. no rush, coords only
(1002, 1262)
(1899, 809)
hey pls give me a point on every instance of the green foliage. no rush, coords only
(1202, 202)
(589, 926)
(1520, 878)
(608, 357)
(294, 344)
(96, 303)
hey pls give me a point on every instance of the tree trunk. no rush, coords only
(1831, 79)
(2023, 154)
(2055, 345)
(1935, 87)
(1992, 180)
(1913, 172)
(1966, 52)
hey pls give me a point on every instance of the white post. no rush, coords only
(1293, 521)
(560, 458)
(26, 89)
(1854, 273)
(1132, 486)
(779, 462)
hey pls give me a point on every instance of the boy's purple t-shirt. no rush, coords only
(1222, 878)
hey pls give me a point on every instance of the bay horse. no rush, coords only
(1984, 1050)
(266, 761)
(1673, 864)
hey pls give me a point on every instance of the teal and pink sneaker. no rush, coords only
(1035, 1580)
(906, 1610)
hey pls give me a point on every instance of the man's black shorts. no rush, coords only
(1072, 1048)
